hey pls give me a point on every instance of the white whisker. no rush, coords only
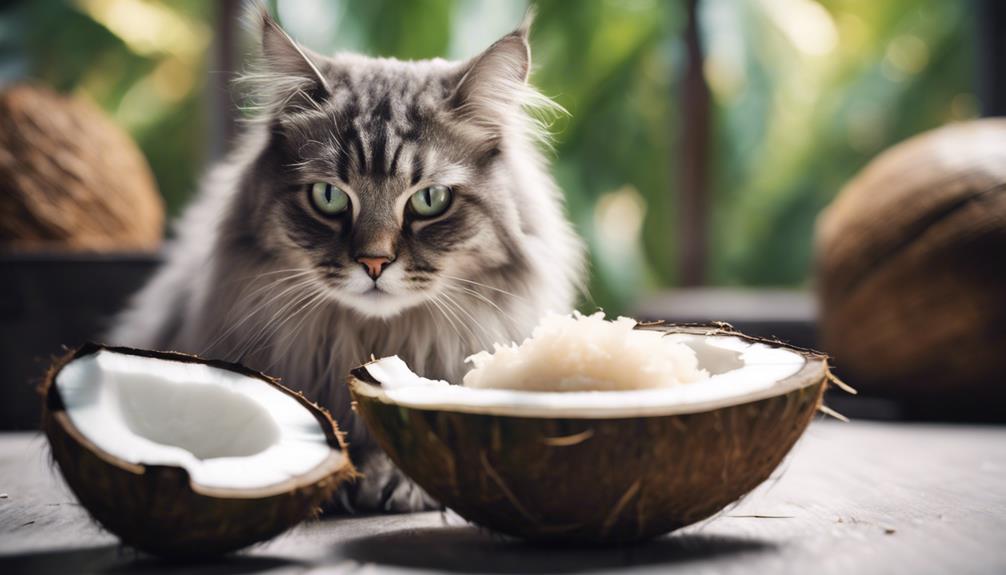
(451, 304)
(292, 274)
(493, 288)
(472, 292)
(436, 302)
(246, 297)
(246, 346)
(305, 310)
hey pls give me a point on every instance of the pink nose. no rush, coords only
(374, 265)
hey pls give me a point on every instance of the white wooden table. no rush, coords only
(852, 499)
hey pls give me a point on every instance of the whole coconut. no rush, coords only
(70, 178)
(911, 271)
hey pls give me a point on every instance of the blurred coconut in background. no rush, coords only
(71, 179)
(911, 271)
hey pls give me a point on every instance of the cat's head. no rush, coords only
(392, 180)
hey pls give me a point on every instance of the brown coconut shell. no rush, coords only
(71, 179)
(157, 509)
(593, 480)
(911, 273)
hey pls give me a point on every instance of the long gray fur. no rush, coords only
(256, 276)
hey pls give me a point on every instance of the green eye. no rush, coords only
(328, 199)
(431, 201)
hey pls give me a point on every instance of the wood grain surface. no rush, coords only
(852, 499)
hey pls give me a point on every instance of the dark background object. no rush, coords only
(48, 301)
(787, 315)
(693, 177)
(990, 23)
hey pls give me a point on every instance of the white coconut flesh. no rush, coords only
(227, 430)
(733, 371)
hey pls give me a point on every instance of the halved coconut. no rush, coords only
(184, 457)
(604, 466)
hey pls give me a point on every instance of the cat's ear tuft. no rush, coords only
(285, 56)
(287, 74)
(492, 82)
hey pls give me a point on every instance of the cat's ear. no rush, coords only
(289, 74)
(491, 84)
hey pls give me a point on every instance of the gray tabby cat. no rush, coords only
(378, 207)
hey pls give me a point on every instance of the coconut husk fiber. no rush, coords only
(911, 271)
(71, 179)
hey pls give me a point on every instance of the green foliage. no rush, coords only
(612, 66)
(804, 94)
(802, 123)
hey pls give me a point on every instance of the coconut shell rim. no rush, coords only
(814, 370)
(336, 465)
